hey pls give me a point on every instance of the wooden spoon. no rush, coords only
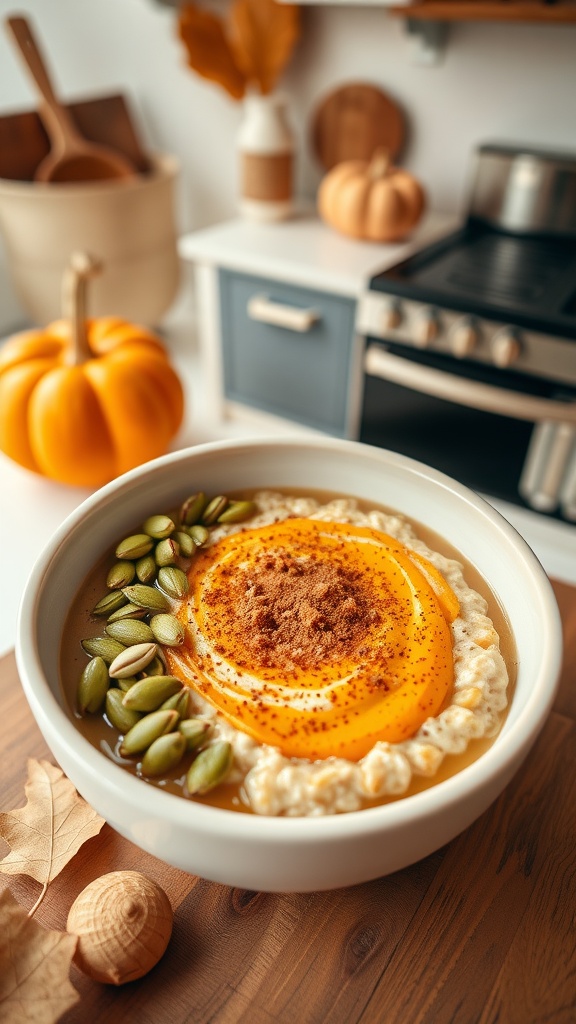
(71, 158)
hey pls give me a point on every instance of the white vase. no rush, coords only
(266, 150)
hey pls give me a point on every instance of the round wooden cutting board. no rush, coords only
(352, 121)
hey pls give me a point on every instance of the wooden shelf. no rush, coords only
(561, 12)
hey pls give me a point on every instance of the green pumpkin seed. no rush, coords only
(214, 509)
(157, 666)
(146, 569)
(130, 632)
(103, 647)
(111, 602)
(173, 581)
(148, 729)
(199, 535)
(210, 768)
(120, 575)
(185, 543)
(192, 508)
(158, 527)
(131, 660)
(120, 717)
(179, 702)
(194, 731)
(163, 755)
(125, 684)
(167, 552)
(127, 611)
(146, 597)
(135, 546)
(149, 693)
(93, 686)
(237, 512)
(167, 630)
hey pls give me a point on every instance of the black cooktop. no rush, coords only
(522, 280)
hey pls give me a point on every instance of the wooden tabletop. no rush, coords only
(480, 931)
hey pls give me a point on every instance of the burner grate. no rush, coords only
(504, 269)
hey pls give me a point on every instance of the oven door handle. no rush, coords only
(472, 393)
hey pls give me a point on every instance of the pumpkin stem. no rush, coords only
(74, 303)
(380, 163)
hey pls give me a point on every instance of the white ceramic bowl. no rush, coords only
(291, 854)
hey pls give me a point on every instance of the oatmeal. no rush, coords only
(337, 653)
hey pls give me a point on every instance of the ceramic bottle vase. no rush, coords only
(266, 152)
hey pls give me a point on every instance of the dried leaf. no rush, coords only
(46, 833)
(263, 36)
(208, 50)
(35, 987)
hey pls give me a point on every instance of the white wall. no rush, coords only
(497, 81)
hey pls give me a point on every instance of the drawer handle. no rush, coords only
(261, 308)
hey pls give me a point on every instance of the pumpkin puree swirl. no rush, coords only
(318, 638)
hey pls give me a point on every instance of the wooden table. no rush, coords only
(481, 931)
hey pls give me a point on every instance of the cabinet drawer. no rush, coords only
(287, 350)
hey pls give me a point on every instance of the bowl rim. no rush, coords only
(163, 167)
(508, 749)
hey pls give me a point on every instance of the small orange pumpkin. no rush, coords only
(371, 199)
(82, 401)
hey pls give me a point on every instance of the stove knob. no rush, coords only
(464, 338)
(390, 316)
(505, 347)
(426, 329)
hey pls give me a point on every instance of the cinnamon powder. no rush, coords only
(292, 610)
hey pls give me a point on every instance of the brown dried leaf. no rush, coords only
(46, 833)
(35, 986)
(263, 36)
(208, 50)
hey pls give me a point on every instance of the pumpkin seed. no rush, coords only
(121, 574)
(173, 581)
(199, 534)
(146, 597)
(237, 512)
(185, 543)
(93, 686)
(192, 508)
(163, 754)
(110, 603)
(130, 632)
(167, 630)
(135, 546)
(157, 666)
(127, 611)
(209, 768)
(158, 527)
(120, 717)
(103, 647)
(148, 729)
(146, 569)
(179, 702)
(131, 660)
(149, 693)
(167, 552)
(214, 509)
(125, 684)
(194, 731)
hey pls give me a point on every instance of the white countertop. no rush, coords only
(32, 508)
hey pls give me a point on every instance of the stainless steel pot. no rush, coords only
(525, 190)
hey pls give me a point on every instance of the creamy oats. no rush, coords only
(273, 783)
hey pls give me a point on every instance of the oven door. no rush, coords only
(501, 433)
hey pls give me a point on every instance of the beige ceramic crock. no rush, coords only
(129, 225)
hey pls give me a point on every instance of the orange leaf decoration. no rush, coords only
(263, 35)
(208, 50)
(34, 968)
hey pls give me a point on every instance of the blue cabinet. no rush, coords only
(288, 350)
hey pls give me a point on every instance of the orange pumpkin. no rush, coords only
(371, 200)
(82, 401)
